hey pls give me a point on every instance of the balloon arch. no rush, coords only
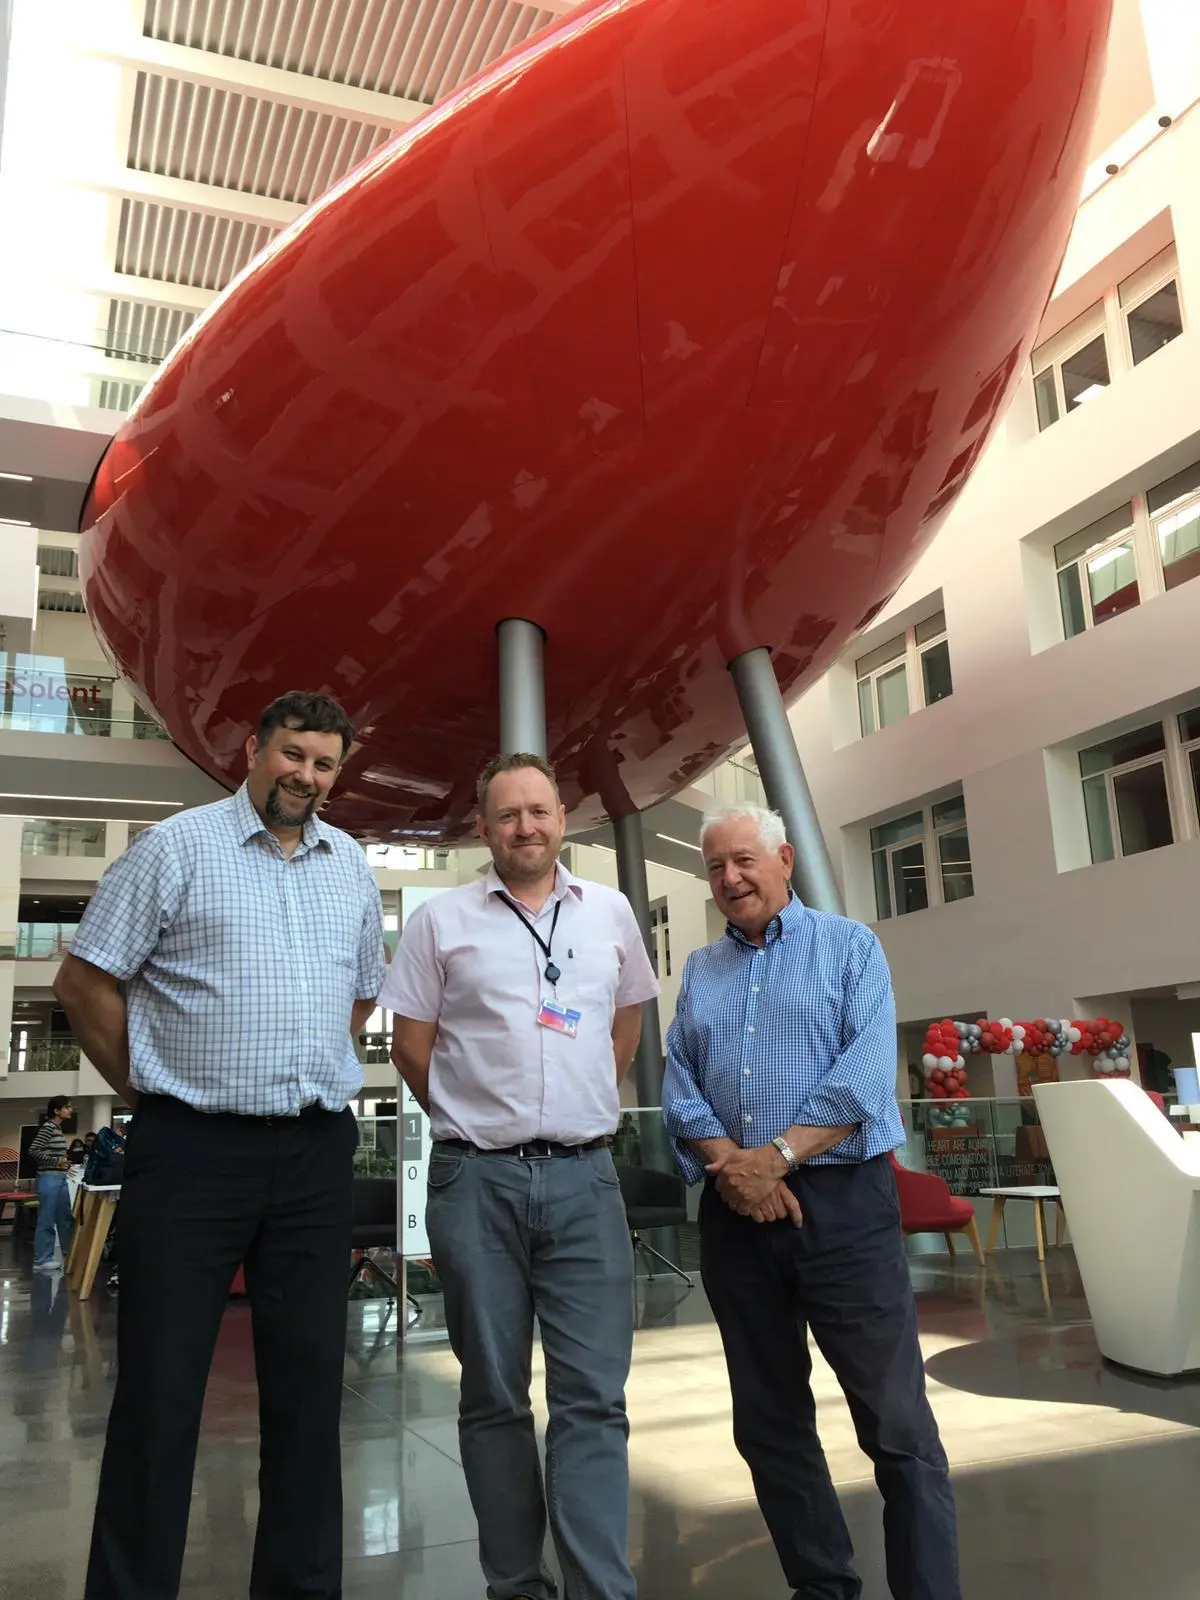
(947, 1045)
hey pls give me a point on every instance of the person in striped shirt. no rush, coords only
(780, 1092)
(48, 1151)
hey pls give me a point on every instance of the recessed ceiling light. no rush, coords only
(16, 522)
(16, 477)
(670, 840)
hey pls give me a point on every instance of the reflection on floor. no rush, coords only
(1074, 1480)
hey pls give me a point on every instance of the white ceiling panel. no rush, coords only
(414, 49)
(179, 246)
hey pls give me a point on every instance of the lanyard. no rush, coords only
(551, 971)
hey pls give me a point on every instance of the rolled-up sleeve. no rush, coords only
(861, 1085)
(686, 1112)
(135, 900)
(416, 979)
(372, 966)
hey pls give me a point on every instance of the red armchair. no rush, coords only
(927, 1206)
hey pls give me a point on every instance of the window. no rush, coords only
(1150, 307)
(1154, 323)
(1125, 794)
(1097, 572)
(954, 849)
(901, 849)
(1132, 321)
(898, 860)
(1174, 510)
(1071, 369)
(911, 670)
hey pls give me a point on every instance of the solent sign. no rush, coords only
(41, 686)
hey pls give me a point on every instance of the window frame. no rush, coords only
(1126, 535)
(1084, 330)
(1167, 759)
(930, 839)
(910, 655)
(1107, 316)
(1141, 286)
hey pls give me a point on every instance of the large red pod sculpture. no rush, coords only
(676, 333)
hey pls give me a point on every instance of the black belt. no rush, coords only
(535, 1150)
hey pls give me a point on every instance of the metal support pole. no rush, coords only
(648, 1062)
(631, 877)
(522, 687)
(783, 777)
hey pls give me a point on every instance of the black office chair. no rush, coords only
(653, 1200)
(374, 1227)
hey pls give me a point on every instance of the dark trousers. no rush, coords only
(844, 1276)
(202, 1194)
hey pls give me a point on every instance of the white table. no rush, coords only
(1039, 1193)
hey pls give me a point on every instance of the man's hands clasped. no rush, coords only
(751, 1182)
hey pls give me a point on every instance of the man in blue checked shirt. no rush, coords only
(217, 978)
(780, 1092)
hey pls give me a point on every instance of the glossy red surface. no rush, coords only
(676, 332)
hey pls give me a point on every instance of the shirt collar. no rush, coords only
(564, 883)
(781, 924)
(249, 824)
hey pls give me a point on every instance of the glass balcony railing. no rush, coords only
(976, 1144)
(50, 694)
(53, 836)
(43, 941)
(69, 721)
(46, 1055)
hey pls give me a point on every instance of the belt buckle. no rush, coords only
(530, 1152)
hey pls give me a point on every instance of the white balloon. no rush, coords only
(1018, 1031)
(1006, 1022)
(1064, 1026)
(1074, 1035)
(945, 1062)
(928, 1062)
(960, 1061)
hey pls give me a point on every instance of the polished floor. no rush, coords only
(1075, 1481)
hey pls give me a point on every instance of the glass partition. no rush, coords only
(976, 1144)
(43, 941)
(59, 836)
(376, 1153)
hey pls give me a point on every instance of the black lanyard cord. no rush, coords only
(552, 972)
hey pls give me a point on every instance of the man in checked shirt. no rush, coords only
(217, 978)
(780, 1092)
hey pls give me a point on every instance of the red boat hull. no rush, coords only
(677, 332)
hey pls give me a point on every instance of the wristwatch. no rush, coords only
(789, 1155)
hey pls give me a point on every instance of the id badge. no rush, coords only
(559, 1018)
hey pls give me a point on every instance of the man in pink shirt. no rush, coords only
(518, 1006)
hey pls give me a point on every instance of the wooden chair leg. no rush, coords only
(949, 1238)
(82, 1237)
(1039, 1223)
(998, 1204)
(972, 1232)
(96, 1244)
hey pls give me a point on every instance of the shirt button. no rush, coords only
(747, 1118)
(745, 1072)
(755, 988)
(750, 1029)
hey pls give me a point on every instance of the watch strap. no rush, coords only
(788, 1154)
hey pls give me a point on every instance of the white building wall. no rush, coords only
(1045, 932)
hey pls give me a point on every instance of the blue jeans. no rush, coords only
(512, 1239)
(54, 1212)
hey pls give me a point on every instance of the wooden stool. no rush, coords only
(96, 1206)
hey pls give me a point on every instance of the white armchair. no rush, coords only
(1131, 1190)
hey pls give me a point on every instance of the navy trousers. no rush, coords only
(844, 1277)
